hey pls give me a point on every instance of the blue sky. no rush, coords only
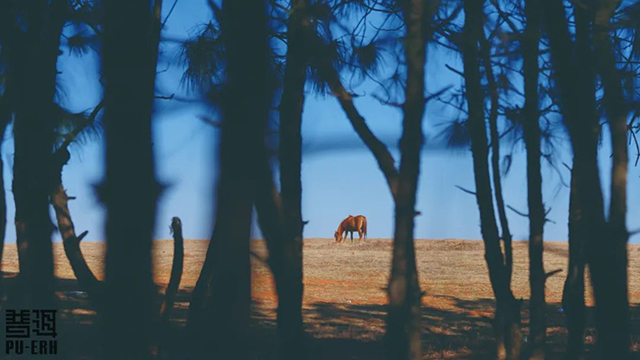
(340, 177)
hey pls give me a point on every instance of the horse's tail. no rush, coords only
(364, 226)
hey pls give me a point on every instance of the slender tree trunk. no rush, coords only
(71, 242)
(176, 269)
(576, 80)
(485, 48)
(196, 305)
(536, 267)
(219, 327)
(537, 275)
(166, 310)
(573, 292)
(507, 322)
(60, 202)
(608, 255)
(290, 327)
(33, 133)
(15, 48)
(10, 41)
(130, 189)
(403, 322)
(271, 220)
(4, 121)
(6, 33)
(586, 208)
(3, 213)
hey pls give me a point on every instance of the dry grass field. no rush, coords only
(344, 302)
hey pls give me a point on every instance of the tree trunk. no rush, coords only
(176, 270)
(537, 322)
(507, 322)
(573, 292)
(14, 50)
(403, 322)
(71, 242)
(219, 325)
(290, 325)
(576, 80)
(5, 118)
(196, 305)
(608, 257)
(59, 200)
(36, 58)
(271, 220)
(130, 189)
(166, 309)
(3, 215)
(6, 33)
(11, 43)
(485, 48)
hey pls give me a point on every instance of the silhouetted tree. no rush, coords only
(403, 322)
(177, 266)
(288, 251)
(219, 320)
(12, 60)
(130, 45)
(7, 38)
(68, 126)
(530, 54)
(73, 128)
(4, 121)
(403, 325)
(608, 257)
(60, 199)
(33, 57)
(576, 83)
(494, 140)
(507, 318)
(204, 57)
(573, 291)
(575, 63)
(271, 220)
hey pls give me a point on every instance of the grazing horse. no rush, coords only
(351, 224)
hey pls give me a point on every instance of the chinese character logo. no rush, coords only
(30, 332)
(44, 323)
(18, 323)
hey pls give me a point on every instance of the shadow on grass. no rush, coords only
(453, 328)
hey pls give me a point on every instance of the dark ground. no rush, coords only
(344, 306)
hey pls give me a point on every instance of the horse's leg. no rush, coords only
(351, 232)
(360, 234)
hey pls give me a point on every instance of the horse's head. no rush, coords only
(338, 236)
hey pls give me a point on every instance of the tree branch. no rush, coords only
(377, 147)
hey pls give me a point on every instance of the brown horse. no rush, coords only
(351, 224)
